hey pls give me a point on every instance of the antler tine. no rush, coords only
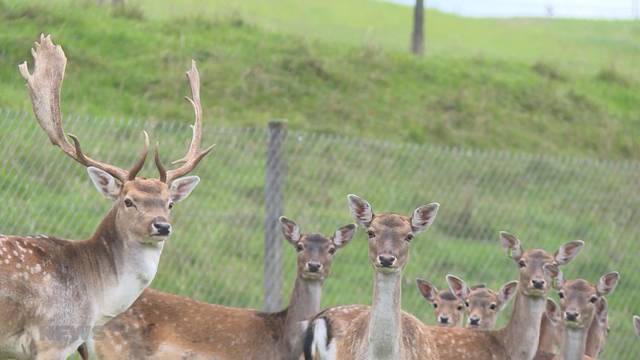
(194, 154)
(44, 88)
(135, 169)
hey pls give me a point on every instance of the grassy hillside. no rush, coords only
(124, 63)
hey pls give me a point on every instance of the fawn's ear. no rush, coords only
(290, 230)
(423, 217)
(511, 245)
(427, 290)
(106, 184)
(506, 292)
(607, 283)
(602, 309)
(457, 287)
(568, 251)
(552, 311)
(182, 187)
(343, 235)
(636, 324)
(360, 210)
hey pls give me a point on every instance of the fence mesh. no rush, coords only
(216, 252)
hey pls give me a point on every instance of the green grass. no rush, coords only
(513, 95)
(125, 66)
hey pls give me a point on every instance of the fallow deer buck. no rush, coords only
(53, 292)
(581, 303)
(380, 331)
(447, 308)
(519, 338)
(483, 304)
(166, 326)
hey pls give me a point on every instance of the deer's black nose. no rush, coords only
(162, 228)
(444, 319)
(474, 321)
(314, 266)
(386, 260)
(571, 316)
(538, 284)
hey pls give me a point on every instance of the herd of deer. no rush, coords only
(58, 297)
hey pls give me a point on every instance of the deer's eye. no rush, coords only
(593, 299)
(299, 247)
(409, 237)
(128, 203)
(435, 306)
(561, 295)
(171, 205)
(492, 306)
(521, 263)
(332, 250)
(371, 234)
(460, 308)
(466, 303)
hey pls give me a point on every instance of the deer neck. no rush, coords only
(384, 325)
(521, 335)
(547, 336)
(574, 343)
(121, 267)
(304, 304)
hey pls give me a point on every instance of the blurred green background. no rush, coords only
(526, 125)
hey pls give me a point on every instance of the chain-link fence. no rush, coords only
(216, 252)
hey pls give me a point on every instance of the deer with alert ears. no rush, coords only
(447, 308)
(53, 292)
(581, 303)
(519, 338)
(483, 304)
(166, 326)
(382, 330)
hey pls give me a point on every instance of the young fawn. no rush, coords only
(166, 326)
(382, 330)
(482, 304)
(581, 303)
(447, 308)
(53, 292)
(519, 338)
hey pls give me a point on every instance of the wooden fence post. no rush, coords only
(417, 36)
(275, 175)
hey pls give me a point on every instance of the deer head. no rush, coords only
(315, 251)
(537, 267)
(447, 308)
(390, 234)
(141, 206)
(482, 303)
(580, 301)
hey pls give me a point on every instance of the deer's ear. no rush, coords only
(290, 230)
(568, 251)
(427, 290)
(106, 184)
(511, 245)
(636, 324)
(360, 210)
(607, 283)
(182, 187)
(552, 311)
(343, 235)
(423, 217)
(458, 287)
(506, 292)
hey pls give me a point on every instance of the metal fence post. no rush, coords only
(275, 175)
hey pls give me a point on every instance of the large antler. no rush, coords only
(44, 87)
(194, 154)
